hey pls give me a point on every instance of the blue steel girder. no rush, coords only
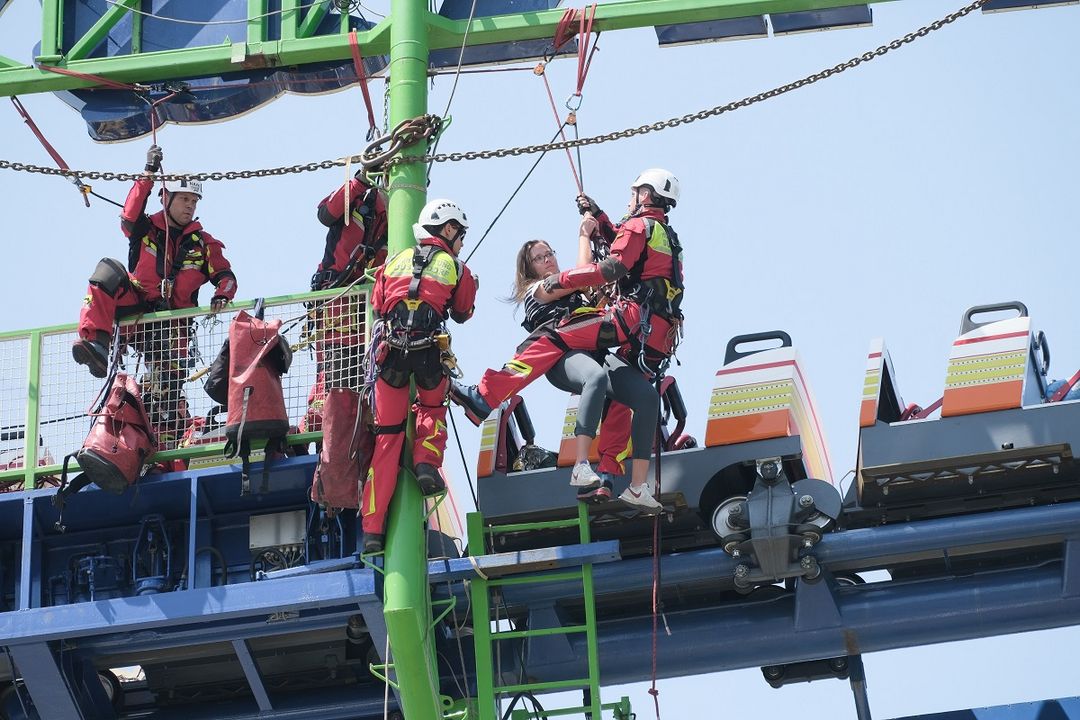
(352, 589)
(873, 618)
(41, 673)
(251, 673)
(848, 551)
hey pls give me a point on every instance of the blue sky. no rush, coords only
(882, 202)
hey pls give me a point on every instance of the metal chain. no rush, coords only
(413, 133)
(703, 114)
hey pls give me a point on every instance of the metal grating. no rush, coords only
(169, 354)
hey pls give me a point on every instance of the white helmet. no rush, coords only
(662, 182)
(189, 186)
(439, 212)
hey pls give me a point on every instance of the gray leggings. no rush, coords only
(579, 372)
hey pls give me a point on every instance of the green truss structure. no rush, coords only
(299, 46)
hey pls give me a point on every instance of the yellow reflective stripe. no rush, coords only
(370, 509)
(432, 436)
(518, 367)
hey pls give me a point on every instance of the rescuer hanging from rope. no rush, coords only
(414, 293)
(644, 321)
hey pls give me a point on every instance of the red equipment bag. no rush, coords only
(118, 447)
(347, 446)
(258, 357)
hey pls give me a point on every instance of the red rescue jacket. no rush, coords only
(202, 257)
(447, 284)
(351, 249)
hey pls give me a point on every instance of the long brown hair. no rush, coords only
(524, 275)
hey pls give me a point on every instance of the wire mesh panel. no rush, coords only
(14, 375)
(170, 354)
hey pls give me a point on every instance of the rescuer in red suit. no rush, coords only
(644, 261)
(415, 292)
(170, 257)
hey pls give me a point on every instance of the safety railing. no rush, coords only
(45, 396)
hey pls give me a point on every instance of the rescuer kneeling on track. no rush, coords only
(415, 292)
(170, 257)
(644, 320)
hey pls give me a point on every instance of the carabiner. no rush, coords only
(570, 105)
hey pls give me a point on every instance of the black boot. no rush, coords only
(429, 479)
(94, 354)
(372, 543)
(470, 399)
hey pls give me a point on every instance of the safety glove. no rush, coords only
(586, 204)
(218, 303)
(153, 158)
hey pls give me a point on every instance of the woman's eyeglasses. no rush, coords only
(542, 257)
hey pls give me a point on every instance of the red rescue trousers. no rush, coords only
(616, 326)
(429, 441)
(614, 442)
(100, 309)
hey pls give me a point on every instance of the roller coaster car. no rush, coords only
(748, 488)
(999, 442)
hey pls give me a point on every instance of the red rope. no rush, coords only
(112, 84)
(654, 691)
(585, 27)
(358, 63)
(60, 163)
(555, 111)
(563, 33)
(41, 138)
(659, 442)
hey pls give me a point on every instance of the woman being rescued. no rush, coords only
(594, 376)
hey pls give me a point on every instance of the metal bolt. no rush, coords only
(807, 542)
(806, 563)
(741, 571)
(806, 501)
(735, 509)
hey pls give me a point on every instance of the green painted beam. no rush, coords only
(614, 16)
(311, 21)
(290, 18)
(192, 62)
(136, 28)
(100, 30)
(52, 13)
(8, 62)
(406, 595)
(256, 26)
(442, 33)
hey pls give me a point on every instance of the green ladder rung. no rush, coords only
(519, 527)
(576, 574)
(540, 632)
(553, 685)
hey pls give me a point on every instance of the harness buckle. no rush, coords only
(166, 289)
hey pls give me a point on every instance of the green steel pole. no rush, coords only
(406, 595)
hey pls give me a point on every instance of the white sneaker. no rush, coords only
(641, 499)
(583, 476)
